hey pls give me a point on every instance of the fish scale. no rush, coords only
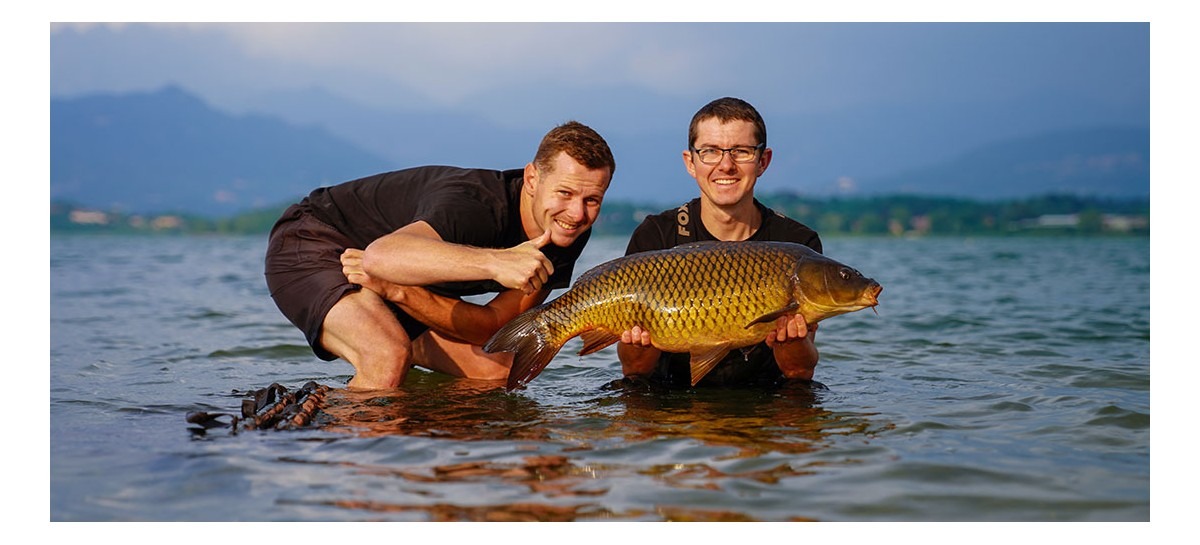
(702, 298)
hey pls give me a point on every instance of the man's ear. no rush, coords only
(764, 161)
(687, 163)
(531, 178)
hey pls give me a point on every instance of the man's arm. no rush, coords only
(454, 318)
(464, 321)
(415, 255)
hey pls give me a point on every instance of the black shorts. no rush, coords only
(304, 274)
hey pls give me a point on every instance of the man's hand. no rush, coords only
(524, 267)
(636, 337)
(638, 356)
(352, 267)
(788, 329)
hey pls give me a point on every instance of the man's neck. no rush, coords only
(528, 223)
(731, 223)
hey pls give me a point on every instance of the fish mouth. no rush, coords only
(870, 296)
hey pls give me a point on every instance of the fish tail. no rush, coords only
(530, 344)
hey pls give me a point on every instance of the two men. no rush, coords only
(418, 240)
(373, 270)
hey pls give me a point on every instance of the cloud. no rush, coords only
(448, 62)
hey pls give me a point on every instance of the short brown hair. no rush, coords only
(580, 142)
(729, 109)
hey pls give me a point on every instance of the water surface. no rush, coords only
(1002, 379)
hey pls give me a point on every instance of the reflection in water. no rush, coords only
(460, 409)
(515, 512)
(748, 423)
(785, 419)
(548, 476)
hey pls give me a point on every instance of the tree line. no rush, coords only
(896, 215)
(913, 215)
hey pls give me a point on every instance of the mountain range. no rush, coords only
(169, 151)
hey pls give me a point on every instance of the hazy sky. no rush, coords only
(508, 70)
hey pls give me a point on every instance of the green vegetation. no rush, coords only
(65, 217)
(897, 215)
(910, 215)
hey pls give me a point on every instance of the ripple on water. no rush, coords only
(1111, 415)
(277, 351)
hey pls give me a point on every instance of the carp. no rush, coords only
(703, 298)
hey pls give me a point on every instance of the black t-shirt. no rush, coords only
(750, 365)
(682, 225)
(473, 207)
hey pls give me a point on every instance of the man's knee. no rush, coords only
(386, 355)
(378, 367)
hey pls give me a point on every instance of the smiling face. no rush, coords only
(726, 183)
(564, 199)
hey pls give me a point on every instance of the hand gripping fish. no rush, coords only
(704, 298)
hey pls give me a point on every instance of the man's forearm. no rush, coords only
(458, 319)
(451, 317)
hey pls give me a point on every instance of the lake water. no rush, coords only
(1003, 379)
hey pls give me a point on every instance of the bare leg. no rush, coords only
(459, 359)
(363, 331)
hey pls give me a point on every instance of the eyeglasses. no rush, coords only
(739, 154)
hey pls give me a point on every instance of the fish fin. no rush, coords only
(772, 316)
(596, 340)
(527, 340)
(703, 362)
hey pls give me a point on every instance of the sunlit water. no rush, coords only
(1002, 379)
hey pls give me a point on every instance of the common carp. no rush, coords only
(703, 298)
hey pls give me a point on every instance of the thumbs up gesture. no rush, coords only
(524, 267)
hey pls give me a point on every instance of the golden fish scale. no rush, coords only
(682, 297)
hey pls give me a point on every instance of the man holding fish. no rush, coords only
(727, 152)
(373, 270)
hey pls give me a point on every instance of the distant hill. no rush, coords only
(169, 151)
(1109, 162)
(816, 152)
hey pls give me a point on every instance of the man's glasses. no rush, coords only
(739, 154)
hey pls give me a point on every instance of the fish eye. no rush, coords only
(848, 273)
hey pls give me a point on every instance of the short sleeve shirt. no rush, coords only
(474, 207)
(682, 225)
